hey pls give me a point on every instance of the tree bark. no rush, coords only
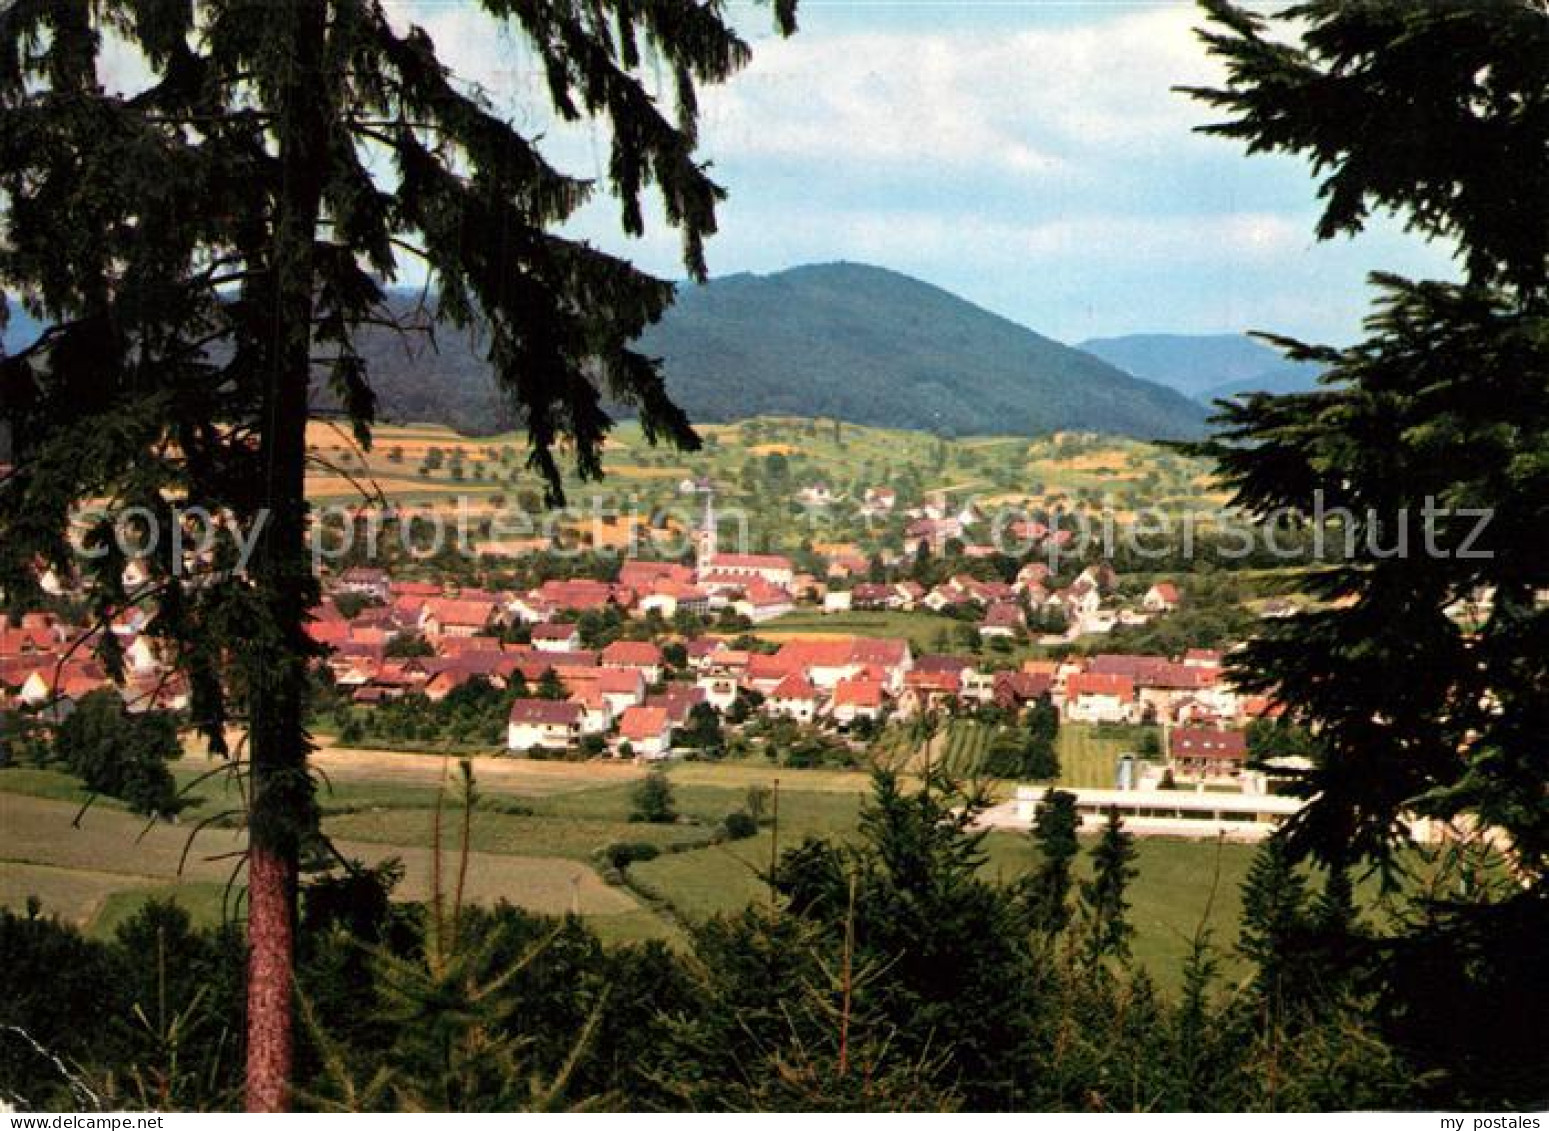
(271, 944)
(282, 804)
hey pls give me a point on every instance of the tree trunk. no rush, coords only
(271, 939)
(282, 808)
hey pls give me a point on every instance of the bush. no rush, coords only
(739, 826)
(626, 852)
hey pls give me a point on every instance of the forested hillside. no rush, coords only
(839, 340)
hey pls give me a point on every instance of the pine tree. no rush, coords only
(1438, 419)
(1104, 901)
(1274, 904)
(1444, 401)
(1054, 832)
(204, 249)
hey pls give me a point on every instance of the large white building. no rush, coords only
(1159, 812)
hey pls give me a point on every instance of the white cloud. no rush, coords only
(891, 235)
(1030, 103)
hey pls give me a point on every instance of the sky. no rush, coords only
(1028, 155)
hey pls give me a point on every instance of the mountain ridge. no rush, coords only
(851, 341)
(860, 343)
(1206, 367)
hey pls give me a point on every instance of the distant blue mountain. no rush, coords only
(1205, 367)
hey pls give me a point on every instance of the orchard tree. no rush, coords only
(203, 247)
(652, 801)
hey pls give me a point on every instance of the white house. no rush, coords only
(622, 688)
(795, 698)
(1003, 620)
(1161, 597)
(720, 690)
(761, 602)
(648, 730)
(837, 601)
(544, 722)
(857, 699)
(556, 637)
(634, 655)
(739, 569)
(597, 711)
(1095, 697)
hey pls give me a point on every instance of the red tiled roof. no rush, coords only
(1151, 671)
(639, 723)
(1004, 615)
(858, 693)
(857, 650)
(777, 666)
(632, 653)
(749, 561)
(677, 700)
(328, 632)
(797, 655)
(579, 658)
(941, 662)
(641, 576)
(613, 681)
(448, 611)
(762, 593)
(25, 638)
(949, 681)
(1098, 683)
(1023, 686)
(576, 594)
(553, 631)
(794, 686)
(545, 712)
(1208, 743)
(460, 645)
(886, 653)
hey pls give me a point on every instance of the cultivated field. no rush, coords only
(424, 469)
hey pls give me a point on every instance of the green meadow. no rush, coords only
(533, 838)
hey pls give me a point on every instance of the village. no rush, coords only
(643, 664)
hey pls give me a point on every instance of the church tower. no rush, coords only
(704, 549)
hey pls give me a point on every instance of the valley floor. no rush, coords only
(533, 841)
